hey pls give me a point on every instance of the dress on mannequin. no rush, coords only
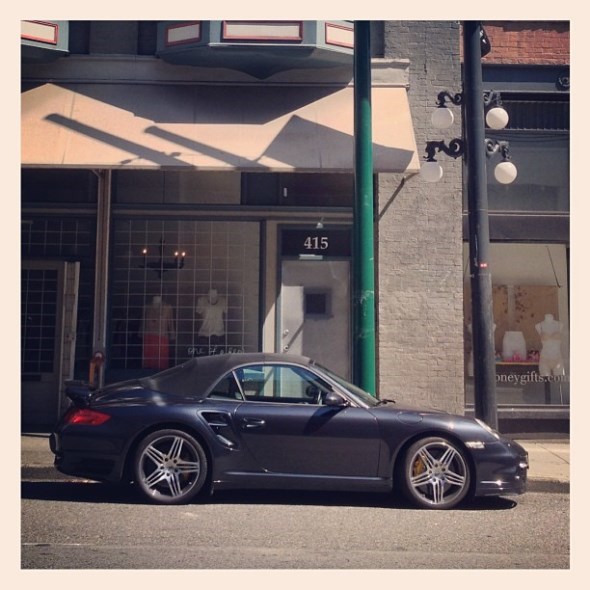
(212, 308)
(158, 332)
(550, 359)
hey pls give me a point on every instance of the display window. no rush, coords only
(530, 291)
(180, 289)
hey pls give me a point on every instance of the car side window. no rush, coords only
(281, 383)
(227, 388)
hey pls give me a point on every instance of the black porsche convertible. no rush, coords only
(276, 421)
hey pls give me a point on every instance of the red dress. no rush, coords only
(158, 332)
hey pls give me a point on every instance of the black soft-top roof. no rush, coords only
(196, 376)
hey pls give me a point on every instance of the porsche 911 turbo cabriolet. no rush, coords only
(276, 421)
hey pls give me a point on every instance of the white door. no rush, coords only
(315, 311)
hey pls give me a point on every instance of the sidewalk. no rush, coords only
(549, 460)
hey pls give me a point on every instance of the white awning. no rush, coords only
(249, 128)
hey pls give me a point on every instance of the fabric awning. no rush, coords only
(249, 128)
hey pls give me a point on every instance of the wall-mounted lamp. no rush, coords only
(160, 266)
(495, 115)
(431, 170)
(505, 172)
(442, 118)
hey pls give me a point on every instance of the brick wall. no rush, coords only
(528, 42)
(420, 268)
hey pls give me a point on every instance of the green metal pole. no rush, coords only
(363, 246)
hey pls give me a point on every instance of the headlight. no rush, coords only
(487, 428)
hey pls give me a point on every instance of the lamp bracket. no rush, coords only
(456, 99)
(491, 97)
(493, 145)
(455, 149)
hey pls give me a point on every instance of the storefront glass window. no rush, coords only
(531, 318)
(542, 183)
(181, 289)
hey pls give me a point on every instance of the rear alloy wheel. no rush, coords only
(436, 474)
(170, 467)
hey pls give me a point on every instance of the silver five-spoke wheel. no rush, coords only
(170, 467)
(436, 473)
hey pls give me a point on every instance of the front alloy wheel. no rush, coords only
(436, 474)
(170, 467)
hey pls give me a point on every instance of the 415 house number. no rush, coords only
(315, 243)
(324, 242)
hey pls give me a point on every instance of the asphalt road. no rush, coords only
(71, 525)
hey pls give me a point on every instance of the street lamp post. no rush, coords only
(484, 363)
(476, 149)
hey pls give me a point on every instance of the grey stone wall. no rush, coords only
(419, 251)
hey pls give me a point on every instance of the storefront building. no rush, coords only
(529, 224)
(187, 189)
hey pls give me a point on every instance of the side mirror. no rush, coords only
(334, 399)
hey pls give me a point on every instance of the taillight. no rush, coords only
(85, 416)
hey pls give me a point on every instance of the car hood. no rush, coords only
(414, 415)
(403, 409)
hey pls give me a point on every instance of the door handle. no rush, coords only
(248, 423)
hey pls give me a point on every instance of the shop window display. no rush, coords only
(182, 289)
(531, 321)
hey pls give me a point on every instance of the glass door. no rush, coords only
(315, 298)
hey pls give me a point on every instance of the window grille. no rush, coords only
(38, 318)
(177, 266)
(64, 238)
(537, 114)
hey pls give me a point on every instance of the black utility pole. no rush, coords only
(484, 363)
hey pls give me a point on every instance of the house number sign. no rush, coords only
(318, 242)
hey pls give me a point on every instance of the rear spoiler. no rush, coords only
(79, 392)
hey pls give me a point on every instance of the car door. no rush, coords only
(288, 431)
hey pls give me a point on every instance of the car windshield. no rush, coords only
(356, 392)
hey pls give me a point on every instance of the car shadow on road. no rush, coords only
(93, 492)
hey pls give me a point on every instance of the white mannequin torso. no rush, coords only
(550, 359)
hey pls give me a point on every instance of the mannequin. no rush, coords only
(514, 346)
(550, 359)
(212, 308)
(158, 331)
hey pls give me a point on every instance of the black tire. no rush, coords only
(170, 467)
(436, 474)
